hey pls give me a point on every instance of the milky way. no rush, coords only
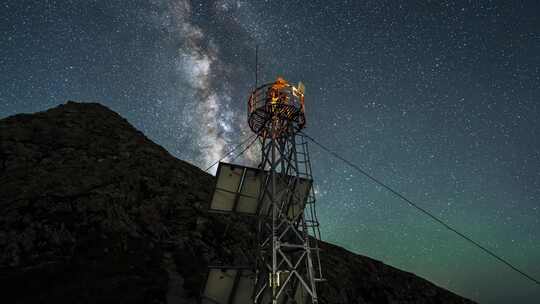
(437, 98)
(206, 108)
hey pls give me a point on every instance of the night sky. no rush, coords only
(439, 99)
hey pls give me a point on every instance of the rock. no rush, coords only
(95, 212)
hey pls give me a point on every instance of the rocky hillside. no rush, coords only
(92, 211)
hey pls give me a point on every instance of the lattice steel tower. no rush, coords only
(284, 266)
(287, 264)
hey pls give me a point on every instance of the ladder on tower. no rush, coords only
(311, 220)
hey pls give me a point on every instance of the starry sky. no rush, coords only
(439, 99)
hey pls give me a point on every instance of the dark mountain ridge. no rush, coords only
(92, 211)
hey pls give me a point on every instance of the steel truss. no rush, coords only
(285, 262)
(288, 264)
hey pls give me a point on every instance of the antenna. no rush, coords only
(256, 65)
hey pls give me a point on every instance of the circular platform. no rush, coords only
(276, 108)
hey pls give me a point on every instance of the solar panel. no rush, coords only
(238, 189)
(219, 285)
(228, 286)
(226, 188)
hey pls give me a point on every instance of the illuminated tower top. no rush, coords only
(278, 105)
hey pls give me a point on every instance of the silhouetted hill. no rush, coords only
(92, 211)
